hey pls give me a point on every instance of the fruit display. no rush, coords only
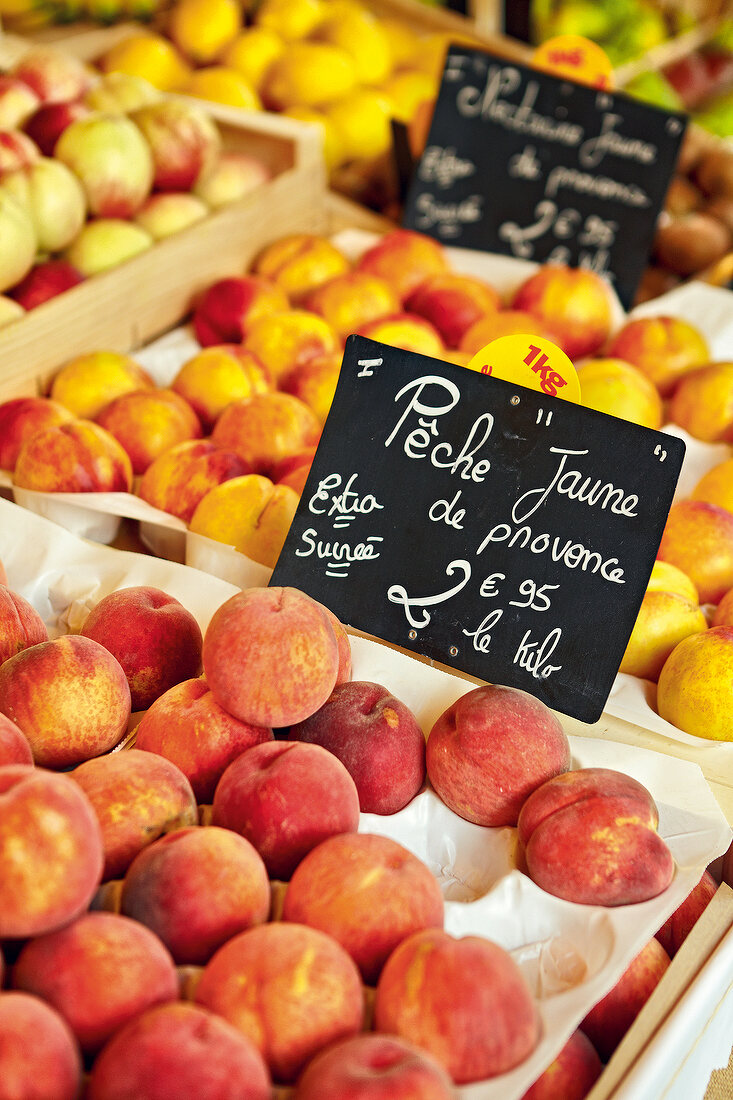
(218, 933)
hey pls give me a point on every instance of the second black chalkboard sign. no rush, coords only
(490, 527)
(527, 164)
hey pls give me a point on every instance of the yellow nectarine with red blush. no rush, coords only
(300, 262)
(266, 428)
(284, 341)
(216, 376)
(351, 300)
(664, 619)
(452, 303)
(698, 539)
(249, 513)
(404, 259)
(665, 349)
(20, 418)
(405, 330)
(148, 422)
(695, 688)
(314, 383)
(504, 322)
(77, 456)
(179, 478)
(702, 404)
(574, 302)
(88, 382)
(615, 387)
(224, 312)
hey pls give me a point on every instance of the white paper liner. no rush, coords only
(96, 515)
(570, 954)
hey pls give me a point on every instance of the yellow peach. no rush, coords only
(664, 619)
(248, 513)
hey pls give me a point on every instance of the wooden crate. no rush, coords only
(127, 306)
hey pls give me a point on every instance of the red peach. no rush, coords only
(47, 124)
(20, 418)
(98, 972)
(45, 281)
(490, 749)
(55, 76)
(676, 928)
(183, 139)
(177, 480)
(149, 422)
(463, 1000)
(663, 348)
(698, 539)
(188, 727)
(374, 1067)
(376, 737)
(284, 341)
(610, 1019)
(153, 636)
(16, 151)
(74, 457)
(51, 854)
(404, 259)
(14, 748)
(216, 376)
(196, 888)
(265, 629)
(571, 1075)
(292, 990)
(452, 303)
(70, 698)
(344, 646)
(405, 330)
(574, 786)
(314, 383)
(574, 302)
(285, 798)
(20, 624)
(39, 1057)
(137, 797)
(179, 1050)
(366, 891)
(265, 428)
(226, 310)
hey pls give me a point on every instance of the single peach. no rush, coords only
(285, 798)
(723, 615)
(20, 624)
(374, 1067)
(404, 259)
(196, 888)
(266, 428)
(314, 383)
(250, 514)
(376, 737)
(184, 140)
(490, 749)
(290, 989)
(88, 382)
(148, 422)
(716, 486)
(262, 629)
(136, 797)
(610, 1019)
(180, 1049)
(695, 688)
(665, 349)
(676, 928)
(51, 855)
(39, 1056)
(215, 377)
(698, 539)
(702, 404)
(20, 418)
(77, 456)
(615, 387)
(666, 577)
(574, 302)
(284, 341)
(664, 619)
(353, 299)
(98, 972)
(368, 892)
(180, 477)
(405, 330)
(464, 1000)
(153, 636)
(70, 698)
(505, 322)
(453, 303)
(188, 727)
(225, 311)
(571, 1075)
(14, 748)
(300, 262)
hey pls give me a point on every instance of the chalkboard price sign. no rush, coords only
(493, 528)
(524, 163)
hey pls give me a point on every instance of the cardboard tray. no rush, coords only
(124, 307)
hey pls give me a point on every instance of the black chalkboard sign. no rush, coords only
(528, 164)
(500, 531)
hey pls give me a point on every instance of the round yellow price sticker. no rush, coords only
(531, 361)
(575, 57)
